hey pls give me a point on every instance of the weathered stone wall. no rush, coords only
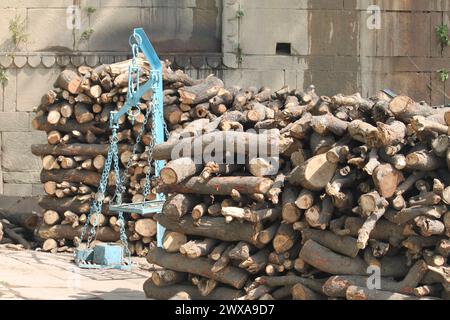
(334, 46)
(331, 46)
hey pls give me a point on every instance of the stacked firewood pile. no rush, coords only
(355, 208)
(75, 116)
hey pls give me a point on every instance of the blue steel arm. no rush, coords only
(156, 84)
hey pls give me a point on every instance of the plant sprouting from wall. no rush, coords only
(86, 35)
(88, 32)
(17, 28)
(443, 75)
(442, 34)
(3, 77)
(90, 11)
(239, 13)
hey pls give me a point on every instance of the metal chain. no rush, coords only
(97, 204)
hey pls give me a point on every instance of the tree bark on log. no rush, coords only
(220, 185)
(166, 293)
(71, 175)
(314, 174)
(65, 231)
(41, 123)
(213, 227)
(76, 149)
(361, 293)
(336, 286)
(326, 260)
(240, 143)
(178, 170)
(201, 266)
(345, 245)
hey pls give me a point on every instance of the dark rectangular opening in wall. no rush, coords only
(283, 48)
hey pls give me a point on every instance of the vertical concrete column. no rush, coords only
(230, 32)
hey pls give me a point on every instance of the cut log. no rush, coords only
(314, 174)
(40, 123)
(164, 278)
(241, 251)
(386, 179)
(305, 199)
(361, 293)
(240, 143)
(68, 80)
(58, 232)
(145, 227)
(168, 292)
(82, 113)
(404, 109)
(345, 245)
(302, 292)
(76, 149)
(201, 92)
(285, 238)
(72, 175)
(326, 260)
(220, 185)
(178, 170)
(336, 286)
(212, 227)
(290, 212)
(200, 266)
(179, 204)
(49, 245)
(172, 241)
(197, 248)
(320, 217)
(51, 217)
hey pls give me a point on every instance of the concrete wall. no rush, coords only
(331, 47)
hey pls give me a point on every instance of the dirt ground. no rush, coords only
(38, 275)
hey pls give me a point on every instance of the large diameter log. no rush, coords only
(240, 143)
(76, 149)
(91, 178)
(172, 241)
(201, 92)
(285, 238)
(336, 286)
(165, 293)
(383, 231)
(326, 260)
(423, 160)
(361, 293)
(201, 266)
(220, 185)
(212, 227)
(176, 171)
(314, 174)
(68, 203)
(177, 205)
(404, 109)
(386, 179)
(68, 80)
(345, 245)
(145, 227)
(65, 231)
(164, 277)
(40, 123)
